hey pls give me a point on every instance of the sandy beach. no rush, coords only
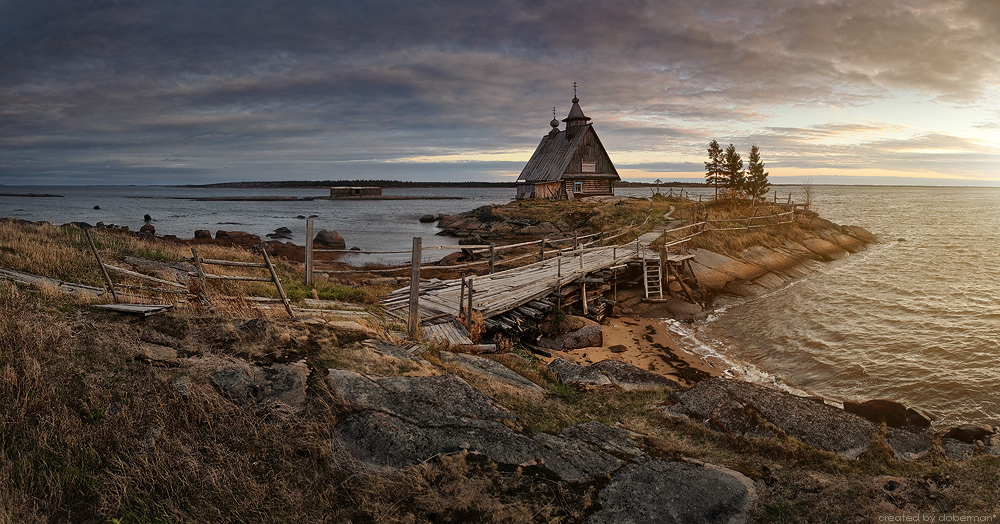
(645, 343)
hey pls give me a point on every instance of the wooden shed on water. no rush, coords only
(568, 164)
(357, 192)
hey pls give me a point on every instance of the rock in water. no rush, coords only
(330, 238)
(426, 219)
(202, 233)
(147, 218)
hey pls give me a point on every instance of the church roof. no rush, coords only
(552, 155)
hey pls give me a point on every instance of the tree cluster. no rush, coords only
(725, 169)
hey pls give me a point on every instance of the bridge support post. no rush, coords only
(412, 320)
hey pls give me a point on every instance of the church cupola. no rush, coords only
(576, 117)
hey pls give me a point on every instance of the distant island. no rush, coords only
(284, 184)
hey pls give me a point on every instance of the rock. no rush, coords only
(909, 445)
(426, 219)
(956, 449)
(202, 233)
(489, 368)
(281, 232)
(156, 354)
(915, 417)
(256, 329)
(97, 207)
(859, 233)
(241, 238)
(824, 248)
(148, 229)
(750, 409)
(329, 238)
(278, 383)
(386, 440)
(573, 374)
(970, 433)
(616, 441)
(590, 335)
(147, 218)
(632, 378)
(878, 411)
(392, 350)
(617, 348)
(651, 490)
(181, 384)
(427, 401)
(574, 460)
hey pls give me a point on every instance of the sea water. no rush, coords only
(915, 318)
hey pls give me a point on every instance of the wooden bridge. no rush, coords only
(441, 302)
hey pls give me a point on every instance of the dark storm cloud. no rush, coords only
(295, 89)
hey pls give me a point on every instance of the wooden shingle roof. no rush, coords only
(553, 154)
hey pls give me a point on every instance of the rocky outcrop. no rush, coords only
(758, 411)
(651, 490)
(573, 374)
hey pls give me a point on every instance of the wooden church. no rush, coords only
(568, 164)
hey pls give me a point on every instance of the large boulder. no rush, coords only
(970, 433)
(573, 374)
(632, 378)
(590, 335)
(330, 239)
(239, 238)
(652, 490)
(892, 413)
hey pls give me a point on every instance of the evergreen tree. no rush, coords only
(732, 168)
(713, 168)
(756, 183)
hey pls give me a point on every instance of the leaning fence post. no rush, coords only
(541, 254)
(309, 252)
(203, 293)
(411, 319)
(493, 255)
(104, 270)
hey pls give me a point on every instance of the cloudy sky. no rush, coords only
(181, 91)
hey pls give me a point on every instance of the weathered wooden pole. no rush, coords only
(309, 252)
(468, 309)
(104, 270)
(583, 290)
(412, 320)
(203, 293)
(493, 255)
(559, 266)
(277, 281)
(461, 298)
(541, 253)
(576, 241)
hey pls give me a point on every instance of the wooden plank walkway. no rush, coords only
(505, 290)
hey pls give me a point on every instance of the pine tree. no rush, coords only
(756, 183)
(732, 168)
(713, 168)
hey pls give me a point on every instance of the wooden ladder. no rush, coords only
(652, 277)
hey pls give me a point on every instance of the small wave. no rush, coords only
(744, 371)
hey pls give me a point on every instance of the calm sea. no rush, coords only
(915, 318)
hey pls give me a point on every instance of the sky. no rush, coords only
(180, 91)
